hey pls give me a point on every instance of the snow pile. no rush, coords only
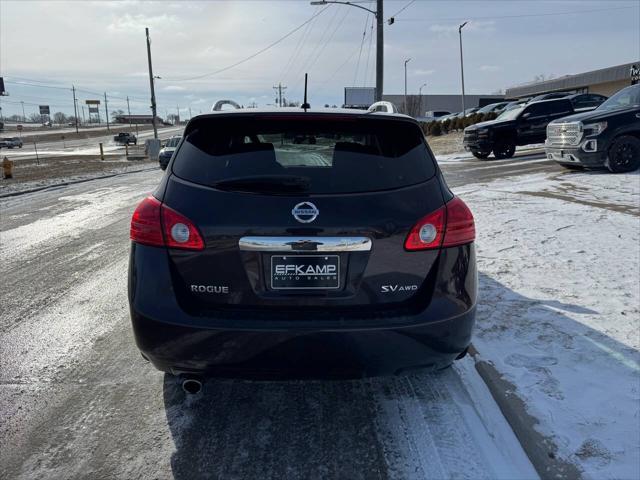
(559, 263)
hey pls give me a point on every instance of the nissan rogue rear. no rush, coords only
(294, 242)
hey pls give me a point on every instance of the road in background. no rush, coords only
(86, 146)
(78, 401)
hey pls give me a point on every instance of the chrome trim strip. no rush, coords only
(305, 244)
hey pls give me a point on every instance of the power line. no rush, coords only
(246, 59)
(40, 84)
(364, 36)
(576, 12)
(366, 69)
(323, 46)
(312, 54)
(403, 9)
(328, 41)
(333, 74)
(297, 49)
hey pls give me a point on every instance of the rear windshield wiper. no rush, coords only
(265, 183)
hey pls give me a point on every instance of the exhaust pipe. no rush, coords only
(191, 385)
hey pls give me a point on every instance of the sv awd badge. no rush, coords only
(398, 288)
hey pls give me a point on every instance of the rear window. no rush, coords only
(331, 155)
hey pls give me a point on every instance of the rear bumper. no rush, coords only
(576, 156)
(298, 347)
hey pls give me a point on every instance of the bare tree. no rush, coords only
(413, 106)
(60, 118)
(35, 118)
(116, 113)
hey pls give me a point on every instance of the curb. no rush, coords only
(541, 450)
(73, 182)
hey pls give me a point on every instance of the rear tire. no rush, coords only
(480, 155)
(504, 150)
(624, 154)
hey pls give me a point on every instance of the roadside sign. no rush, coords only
(19, 128)
(44, 110)
(93, 109)
(92, 102)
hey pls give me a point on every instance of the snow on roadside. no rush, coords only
(559, 308)
(460, 156)
(49, 182)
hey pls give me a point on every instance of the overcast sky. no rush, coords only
(100, 46)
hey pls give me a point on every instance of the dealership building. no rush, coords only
(363, 97)
(605, 81)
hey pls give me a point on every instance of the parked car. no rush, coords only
(549, 96)
(11, 142)
(258, 255)
(125, 138)
(516, 104)
(493, 108)
(167, 151)
(448, 117)
(586, 101)
(432, 115)
(607, 136)
(520, 126)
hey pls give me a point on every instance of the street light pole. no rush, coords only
(462, 63)
(420, 96)
(405, 84)
(378, 13)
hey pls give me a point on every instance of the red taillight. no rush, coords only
(428, 232)
(145, 223)
(461, 228)
(156, 224)
(179, 232)
(448, 226)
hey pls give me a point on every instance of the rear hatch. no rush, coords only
(303, 211)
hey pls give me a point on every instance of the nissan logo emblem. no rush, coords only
(305, 212)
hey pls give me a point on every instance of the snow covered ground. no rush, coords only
(559, 309)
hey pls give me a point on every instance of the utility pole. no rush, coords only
(462, 64)
(189, 112)
(75, 107)
(106, 110)
(178, 118)
(379, 51)
(405, 86)
(129, 112)
(279, 88)
(24, 117)
(153, 92)
(84, 122)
